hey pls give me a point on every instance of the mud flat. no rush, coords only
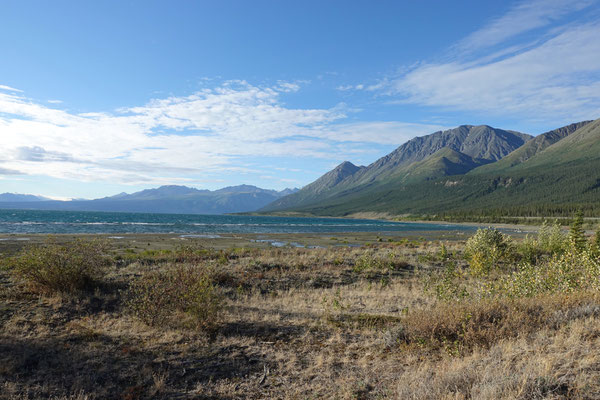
(9, 243)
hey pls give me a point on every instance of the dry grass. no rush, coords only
(346, 323)
(551, 364)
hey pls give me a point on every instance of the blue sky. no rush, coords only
(100, 97)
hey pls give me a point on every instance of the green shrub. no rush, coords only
(566, 273)
(61, 268)
(530, 250)
(182, 295)
(486, 249)
(443, 254)
(551, 239)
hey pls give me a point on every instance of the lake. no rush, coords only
(72, 222)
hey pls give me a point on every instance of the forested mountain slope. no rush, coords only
(557, 173)
(464, 148)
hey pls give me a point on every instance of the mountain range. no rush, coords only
(15, 197)
(165, 199)
(466, 170)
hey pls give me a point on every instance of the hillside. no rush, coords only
(479, 142)
(533, 147)
(444, 162)
(555, 174)
(315, 190)
(463, 148)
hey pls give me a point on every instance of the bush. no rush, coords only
(180, 295)
(573, 270)
(551, 239)
(530, 250)
(486, 249)
(68, 268)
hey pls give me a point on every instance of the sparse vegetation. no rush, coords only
(401, 319)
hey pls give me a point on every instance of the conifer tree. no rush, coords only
(577, 234)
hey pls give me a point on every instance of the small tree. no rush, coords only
(577, 234)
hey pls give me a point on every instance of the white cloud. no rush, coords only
(556, 79)
(525, 16)
(10, 89)
(6, 171)
(208, 132)
(344, 88)
(383, 83)
(390, 133)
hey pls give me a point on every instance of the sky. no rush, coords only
(103, 97)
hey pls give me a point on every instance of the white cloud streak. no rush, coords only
(10, 89)
(525, 16)
(555, 79)
(211, 131)
(390, 133)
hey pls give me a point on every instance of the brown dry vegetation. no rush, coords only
(391, 320)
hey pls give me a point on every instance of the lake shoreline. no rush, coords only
(138, 242)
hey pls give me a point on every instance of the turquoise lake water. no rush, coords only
(49, 222)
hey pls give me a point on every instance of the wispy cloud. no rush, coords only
(391, 133)
(10, 89)
(555, 78)
(6, 171)
(523, 17)
(186, 138)
(345, 88)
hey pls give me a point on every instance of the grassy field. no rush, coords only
(402, 318)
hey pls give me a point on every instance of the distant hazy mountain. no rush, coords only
(442, 153)
(15, 197)
(168, 199)
(160, 193)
